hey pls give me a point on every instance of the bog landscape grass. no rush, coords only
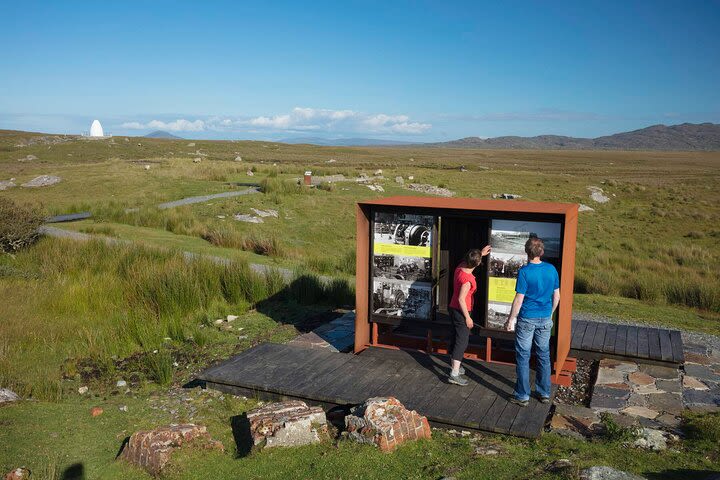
(87, 313)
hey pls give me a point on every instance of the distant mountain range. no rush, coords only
(687, 136)
(161, 134)
(344, 142)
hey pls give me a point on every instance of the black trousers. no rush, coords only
(460, 336)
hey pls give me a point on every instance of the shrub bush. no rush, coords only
(18, 225)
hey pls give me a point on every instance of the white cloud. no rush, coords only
(179, 125)
(297, 120)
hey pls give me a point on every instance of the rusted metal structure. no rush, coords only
(408, 247)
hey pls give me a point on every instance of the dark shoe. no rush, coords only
(522, 403)
(544, 400)
(458, 380)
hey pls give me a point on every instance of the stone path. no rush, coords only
(652, 396)
(205, 198)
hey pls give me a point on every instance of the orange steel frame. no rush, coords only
(366, 332)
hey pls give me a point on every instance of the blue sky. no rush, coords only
(412, 71)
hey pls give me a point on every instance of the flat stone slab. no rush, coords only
(702, 372)
(692, 383)
(606, 403)
(640, 412)
(670, 386)
(666, 402)
(702, 398)
(659, 371)
(605, 391)
(609, 375)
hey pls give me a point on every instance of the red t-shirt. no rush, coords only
(459, 278)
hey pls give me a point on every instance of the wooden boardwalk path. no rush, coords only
(274, 371)
(644, 344)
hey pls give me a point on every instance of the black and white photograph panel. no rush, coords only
(506, 265)
(498, 314)
(403, 229)
(397, 267)
(509, 236)
(395, 298)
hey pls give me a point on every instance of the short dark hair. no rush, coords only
(473, 258)
(534, 247)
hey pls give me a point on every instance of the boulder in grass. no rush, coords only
(286, 424)
(607, 473)
(385, 422)
(8, 396)
(42, 181)
(152, 449)
(20, 473)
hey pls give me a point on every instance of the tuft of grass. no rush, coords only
(159, 367)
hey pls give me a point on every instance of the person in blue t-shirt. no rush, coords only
(536, 298)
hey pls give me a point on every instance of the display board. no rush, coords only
(507, 239)
(401, 279)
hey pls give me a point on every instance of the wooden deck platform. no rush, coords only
(418, 380)
(644, 344)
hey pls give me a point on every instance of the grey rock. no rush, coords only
(400, 180)
(604, 403)
(702, 372)
(606, 391)
(5, 184)
(670, 386)
(607, 473)
(42, 181)
(666, 402)
(609, 375)
(8, 396)
(559, 465)
(702, 397)
(121, 383)
(659, 371)
(668, 420)
(651, 439)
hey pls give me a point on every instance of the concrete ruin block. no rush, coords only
(385, 422)
(152, 449)
(286, 424)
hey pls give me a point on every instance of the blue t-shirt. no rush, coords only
(537, 281)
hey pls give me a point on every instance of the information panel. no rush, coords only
(507, 239)
(402, 265)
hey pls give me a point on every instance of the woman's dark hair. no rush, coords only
(473, 258)
(534, 247)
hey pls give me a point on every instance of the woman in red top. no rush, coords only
(461, 304)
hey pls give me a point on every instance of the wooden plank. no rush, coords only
(631, 345)
(610, 338)
(475, 407)
(654, 344)
(599, 339)
(578, 330)
(535, 419)
(324, 375)
(258, 350)
(620, 339)
(589, 336)
(294, 365)
(643, 350)
(677, 346)
(666, 352)
(244, 371)
(507, 417)
(493, 413)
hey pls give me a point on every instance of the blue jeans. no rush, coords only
(529, 332)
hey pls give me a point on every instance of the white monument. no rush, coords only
(96, 129)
